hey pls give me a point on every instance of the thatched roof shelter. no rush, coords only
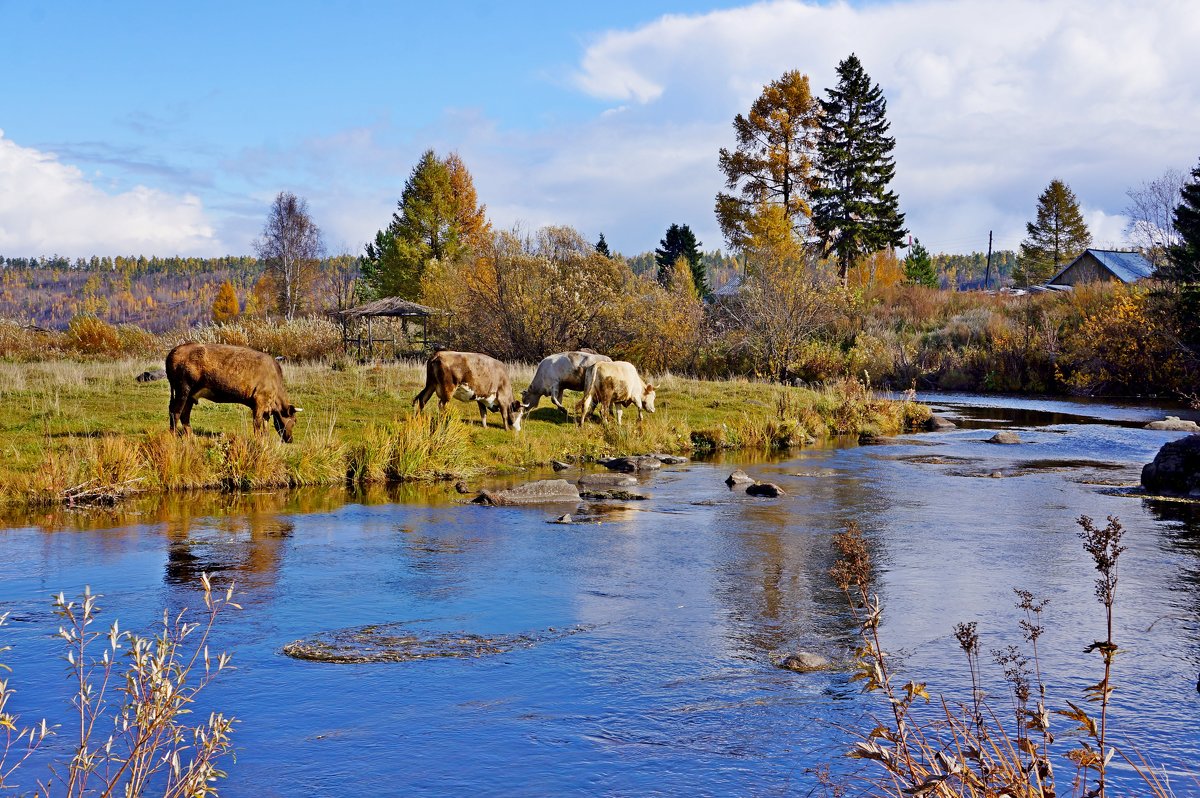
(392, 307)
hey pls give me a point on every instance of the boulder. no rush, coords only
(1176, 468)
(461, 487)
(544, 491)
(1174, 424)
(615, 495)
(559, 465)
(1004, 437)
(669, 459)
(562, 519)
(630, 465)
(936, 422)
(804, 662)
(738, 477)
(607, 481)
(768, 489)
(151, 376)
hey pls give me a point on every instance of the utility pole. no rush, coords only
(987, 272)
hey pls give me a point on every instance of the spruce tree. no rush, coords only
(918, 266)
(1055, 238)
(853, 211)
(602, 247)
(1182, 272)
(680, 242)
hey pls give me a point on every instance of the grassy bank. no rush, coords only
(80, 432)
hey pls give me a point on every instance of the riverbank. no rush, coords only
(86, 432)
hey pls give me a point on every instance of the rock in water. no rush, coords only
(804, 662)
(1004, 436)
(738, 477)
(669, 459)
(544, 491)
(631, 465)
(768, 489)
(562, 519)
(607, 481)
(559, 465)
(1176, 468)
(461, 487)
(1174, 424)
(935, 422)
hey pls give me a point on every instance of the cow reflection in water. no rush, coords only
(246, 545)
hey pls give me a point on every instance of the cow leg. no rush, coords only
(587, 407)
(185, 416)
(423, 397)
(556, 398)
(178, 400)
(482, 414)
(618, 409)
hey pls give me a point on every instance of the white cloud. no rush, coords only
(988, 103)
(48, 207)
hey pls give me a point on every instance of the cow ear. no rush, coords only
(649, 388)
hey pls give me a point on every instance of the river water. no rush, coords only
(652, 627)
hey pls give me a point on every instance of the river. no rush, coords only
(647, 667)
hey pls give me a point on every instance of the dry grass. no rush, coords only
(86, 432)
(969, 750)
(133, 695)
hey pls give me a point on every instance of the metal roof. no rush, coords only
(1129, 267)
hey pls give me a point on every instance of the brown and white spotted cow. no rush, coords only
(470, 376)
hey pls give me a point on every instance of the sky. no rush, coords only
(167, 129)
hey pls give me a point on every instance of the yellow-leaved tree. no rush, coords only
(225, 307)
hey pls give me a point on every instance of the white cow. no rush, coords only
(558, 373)
(615, 383)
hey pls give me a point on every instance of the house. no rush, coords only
(1103, 265)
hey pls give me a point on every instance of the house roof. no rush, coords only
(1129, 267)
(391, 306)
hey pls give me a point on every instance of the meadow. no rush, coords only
(82, 433)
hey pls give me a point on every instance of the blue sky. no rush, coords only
(159, 128)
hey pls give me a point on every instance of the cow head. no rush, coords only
(517, 412)
(648, 398)
(525, 400)
(285, 419)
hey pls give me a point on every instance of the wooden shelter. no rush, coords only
(361, 318)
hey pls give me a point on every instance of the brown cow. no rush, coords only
(223, 373)
(468, 376)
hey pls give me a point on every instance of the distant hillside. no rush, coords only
(157, 294)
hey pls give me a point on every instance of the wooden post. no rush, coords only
(370, 339)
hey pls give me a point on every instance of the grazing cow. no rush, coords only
(615, 383)
(556, 374)
(468, 376)
(223, 373)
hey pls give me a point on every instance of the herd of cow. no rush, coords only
(237, 374)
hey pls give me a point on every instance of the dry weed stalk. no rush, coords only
(969, 750)
(141, 687)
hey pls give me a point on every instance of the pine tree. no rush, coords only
(773, 162)
(918, 266)
(853, 211)
(1182, 272)
(437, 218)
(680, 242)
(1055, 238)
(225, 307)
(602, 247)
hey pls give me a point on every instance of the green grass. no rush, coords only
(90, 428)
